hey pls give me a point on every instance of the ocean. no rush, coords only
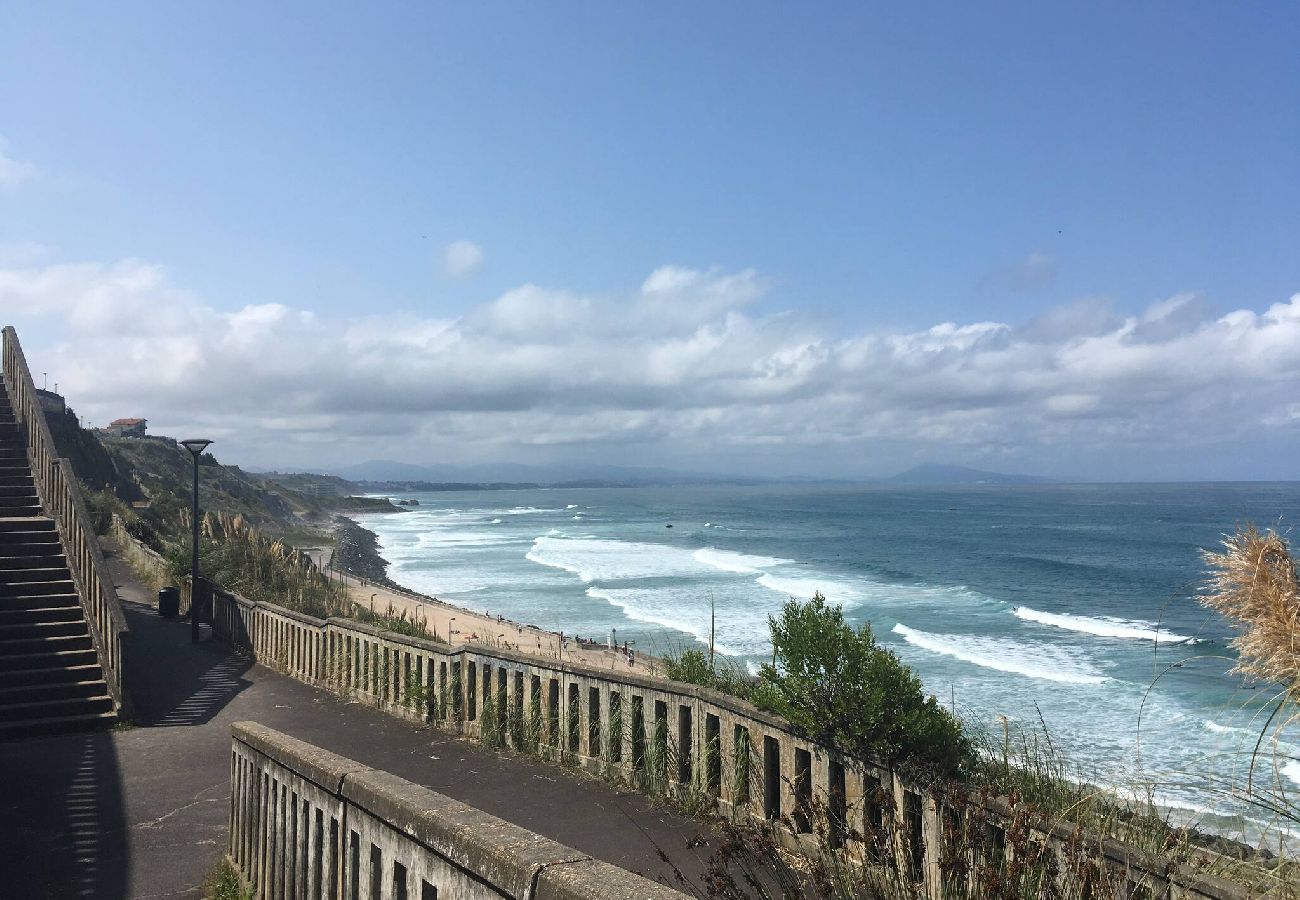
(1071, 604)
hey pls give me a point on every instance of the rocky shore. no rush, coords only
(356, 552)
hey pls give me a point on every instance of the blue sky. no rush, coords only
(202, 178)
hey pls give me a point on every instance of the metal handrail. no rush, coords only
(60, 494)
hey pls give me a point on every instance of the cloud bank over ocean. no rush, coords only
(684, 361)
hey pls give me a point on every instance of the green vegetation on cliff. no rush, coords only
(163, 472)
(148, 481)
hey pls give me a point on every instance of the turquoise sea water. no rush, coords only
(1076, 603)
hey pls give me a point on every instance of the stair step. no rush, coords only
(36, 589)
(30, 574)
(31, 532)
(39, 536)
(40, 601)
(56, 708)
(28, 646)
(51, 690)
(56, 725)
(41, 614)
(46, 659)
(20, 506)
(31, 548)
(13, 564)
(41, 631)
(18, 498)
(51, 674)
(40, 523)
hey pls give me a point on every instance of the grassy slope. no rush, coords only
(164, 472)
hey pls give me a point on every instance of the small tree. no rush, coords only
(839, 687)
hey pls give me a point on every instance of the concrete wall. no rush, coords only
(145, 560)
(308, 823)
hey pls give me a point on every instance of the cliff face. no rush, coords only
(160, 471)
(90, 460)
(164, 471)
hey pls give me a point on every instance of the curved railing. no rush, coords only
(56, 485)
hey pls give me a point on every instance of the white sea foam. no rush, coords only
(610, 560)
(1104, 626)
(1036, 661)
(448, 537)
(578, 516)
(1226, 729)
(572, 506)
(677, 609)
(1291, 770)
(740, 563)
(495, 522)
(834, 590)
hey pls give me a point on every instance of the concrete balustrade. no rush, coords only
(666, 737)
(60, 494)
(308, 823)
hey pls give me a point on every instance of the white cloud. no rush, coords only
(461, 259)
(677, 364)
(14, 172)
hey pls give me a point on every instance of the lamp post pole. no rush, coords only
(196, 446)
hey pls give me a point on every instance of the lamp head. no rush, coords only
(196, 445)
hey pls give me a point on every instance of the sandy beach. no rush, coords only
(457, 625)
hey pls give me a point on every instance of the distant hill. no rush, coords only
(938, 474)
(388, 472)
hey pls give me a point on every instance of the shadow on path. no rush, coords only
(172, 681)
(62, 817)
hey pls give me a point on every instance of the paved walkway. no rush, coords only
(141, 812)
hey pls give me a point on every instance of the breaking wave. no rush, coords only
(740, 563)
(1104, 626)
(1035, 661)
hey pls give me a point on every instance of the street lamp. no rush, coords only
(196, 446)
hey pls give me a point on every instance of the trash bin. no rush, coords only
(169, 602)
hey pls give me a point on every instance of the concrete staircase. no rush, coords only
(50, 679)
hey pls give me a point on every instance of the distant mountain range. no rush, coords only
(937, 474)
(382, 471)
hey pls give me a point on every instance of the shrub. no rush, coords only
(692, 667)
(839, 687)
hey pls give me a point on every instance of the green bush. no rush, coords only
(692, 667)
(840, 688)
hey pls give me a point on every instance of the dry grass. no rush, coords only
(1253, 584)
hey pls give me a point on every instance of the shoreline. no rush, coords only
(365, 572)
